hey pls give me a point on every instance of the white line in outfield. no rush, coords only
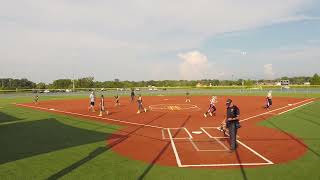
(274, 110)
(296, 107)
(269, 112)
(174, 149)
(96, 117)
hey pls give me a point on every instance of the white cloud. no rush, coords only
(111, 33)
(194, 66)
(296, 18)
(268, 71)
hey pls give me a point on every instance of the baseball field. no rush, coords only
(58, 138)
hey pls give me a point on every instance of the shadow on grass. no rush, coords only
(7, 118)
(26, 139)
(98, 151)
(79, 163)
(243, 172)
(293, 138)
(308, 119)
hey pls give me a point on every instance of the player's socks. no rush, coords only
(205, 114)
(145, 110)
(210, 114)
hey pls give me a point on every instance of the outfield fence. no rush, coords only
(169, 91)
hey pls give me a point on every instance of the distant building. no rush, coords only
(285, 82)
(306, 83)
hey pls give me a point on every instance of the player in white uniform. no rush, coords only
(92, 100)
(269, 99)
(212, 107)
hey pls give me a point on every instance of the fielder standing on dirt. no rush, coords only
(269, 100)
(36, 99)
(140, 106)
(232, 123)
(188, 97)
(132, 95)
(92, 100)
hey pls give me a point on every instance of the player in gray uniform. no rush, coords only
(102, 106)
(140, 106)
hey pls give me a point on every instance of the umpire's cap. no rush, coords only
(229, 101)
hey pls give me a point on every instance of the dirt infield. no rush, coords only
(175, 133)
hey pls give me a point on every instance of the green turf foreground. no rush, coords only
(41, 145)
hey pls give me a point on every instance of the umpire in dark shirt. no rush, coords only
(232, 123)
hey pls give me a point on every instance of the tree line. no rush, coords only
(89, 82)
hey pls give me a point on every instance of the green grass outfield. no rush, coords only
(42, 145)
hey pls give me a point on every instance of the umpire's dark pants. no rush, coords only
(233, 134)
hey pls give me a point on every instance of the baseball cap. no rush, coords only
(229, 101)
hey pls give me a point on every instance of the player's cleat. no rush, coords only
(210, 114)
(100, 115)
(222, 130)
(205, 115)
(138, 112)
(145, 110)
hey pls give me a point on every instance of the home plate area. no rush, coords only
(209, 147)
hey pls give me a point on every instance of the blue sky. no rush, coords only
(167, 39)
